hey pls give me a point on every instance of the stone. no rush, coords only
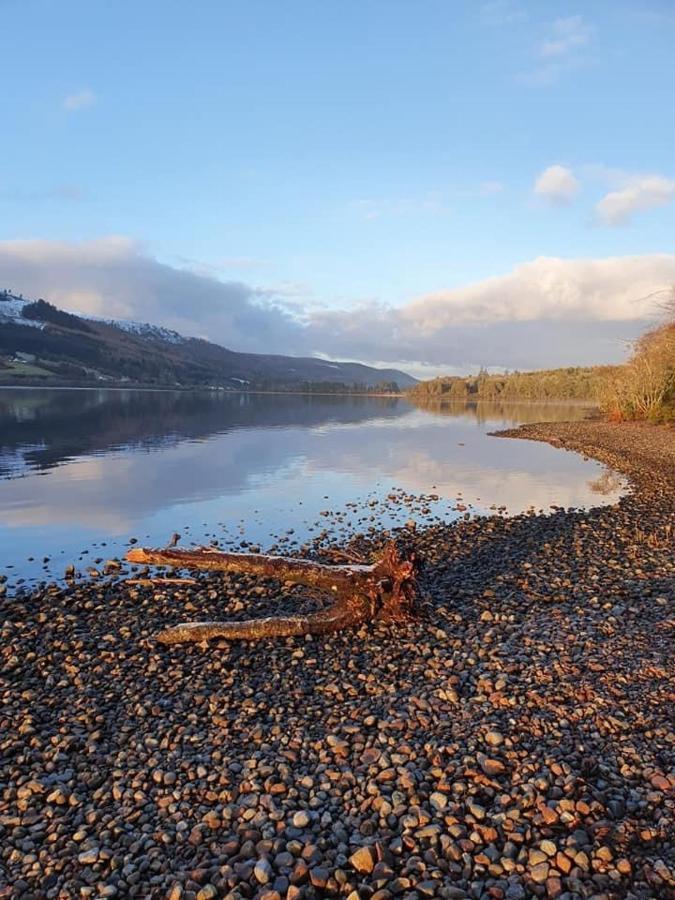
(301, 819)
(208, 892)
(263, 871)
(537, 856)
(363, 860)
(539, 873)
(563, 863)
(553, 887)
(88, 857)
(660, 782)
(490, 766)
(319, 876)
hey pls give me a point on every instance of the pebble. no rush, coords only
(88, 857)
(363, 860)
(263, 871)
(301, 819)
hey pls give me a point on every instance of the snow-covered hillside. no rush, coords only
(77, 347)
(11, 311)
(143, 329)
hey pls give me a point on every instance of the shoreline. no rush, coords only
(403, 395)
(515, 740)
(190, 390)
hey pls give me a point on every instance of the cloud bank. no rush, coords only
(113, 277)
(545, 312)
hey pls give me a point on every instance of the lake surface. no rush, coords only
(84, 471)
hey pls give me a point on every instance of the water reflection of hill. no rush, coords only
(116, 464)
(509, 412)
(40, 429)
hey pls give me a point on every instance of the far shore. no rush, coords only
(402, 395)
(188, 389)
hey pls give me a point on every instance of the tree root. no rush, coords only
(385, 590)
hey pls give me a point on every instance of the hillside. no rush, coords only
(41, 343)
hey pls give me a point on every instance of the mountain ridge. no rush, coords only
(54, 345)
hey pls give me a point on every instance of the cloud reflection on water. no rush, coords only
(111, 466)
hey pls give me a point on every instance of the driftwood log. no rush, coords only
(385, 590)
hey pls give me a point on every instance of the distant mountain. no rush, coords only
(41, 343)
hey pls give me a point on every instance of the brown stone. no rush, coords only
(491, 767)
(553, 887)
(539, 873)
(660, 782)
(563, 863)
(363, 860)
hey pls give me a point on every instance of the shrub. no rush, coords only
(645, 387)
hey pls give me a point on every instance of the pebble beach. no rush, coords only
(516, 741)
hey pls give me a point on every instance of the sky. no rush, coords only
(434, 184)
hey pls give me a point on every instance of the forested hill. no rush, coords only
(40, 343)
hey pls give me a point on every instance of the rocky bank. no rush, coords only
(515, 742)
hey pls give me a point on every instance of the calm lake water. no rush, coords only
(82, 472)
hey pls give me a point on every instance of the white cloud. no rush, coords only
(557, 185)
(114, 277)
(638, 193)
(561, 50)
(545, 312)
(80, 100)
(565, 38)
(550, 288)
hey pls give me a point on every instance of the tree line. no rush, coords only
(642, 388)
(572, 383)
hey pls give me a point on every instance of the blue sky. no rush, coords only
(342, 160)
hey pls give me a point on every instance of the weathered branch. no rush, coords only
(385, 590)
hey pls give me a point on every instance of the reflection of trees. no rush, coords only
(608, 483)
(508, 412)
(43, 428)
(275, 449)
(40, 428)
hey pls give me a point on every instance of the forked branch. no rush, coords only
(385, 590)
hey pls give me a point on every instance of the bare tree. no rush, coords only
(645, 385)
